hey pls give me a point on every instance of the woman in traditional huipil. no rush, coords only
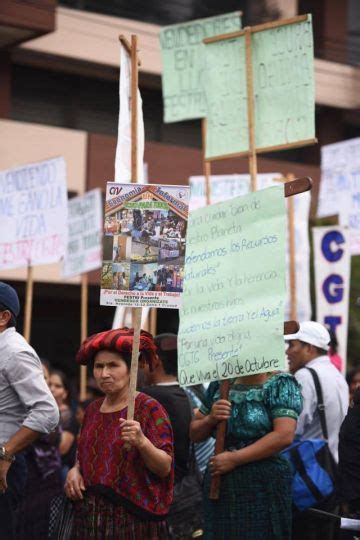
(123, 479)
(255, 492)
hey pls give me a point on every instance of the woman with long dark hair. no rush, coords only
(60, 389)
(43, 484)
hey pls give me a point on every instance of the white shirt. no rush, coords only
(25, 399)
(336, 400)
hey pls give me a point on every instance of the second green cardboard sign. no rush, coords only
(282, 59)
(232, 315)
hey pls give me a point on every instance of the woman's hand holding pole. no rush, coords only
(202, 426)
(158, 461)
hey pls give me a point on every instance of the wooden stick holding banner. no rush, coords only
(28, 303)
(291, 188)
(250, 110)
(152, 321)
(84, 331)
(216, 152)
(292, 262)
(225, 385)
(206, 164)
(137, 311)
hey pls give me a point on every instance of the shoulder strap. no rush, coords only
(320, 402)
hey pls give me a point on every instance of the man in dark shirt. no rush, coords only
(162, 385)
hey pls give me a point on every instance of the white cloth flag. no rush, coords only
(123, 318)
(122, 315)
(123, 148)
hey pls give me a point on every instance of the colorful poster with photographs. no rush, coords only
(144, 245)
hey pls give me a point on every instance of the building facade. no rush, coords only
(59, 72)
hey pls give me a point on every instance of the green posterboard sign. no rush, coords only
(232, 316)
(282, 63)
(183, 64)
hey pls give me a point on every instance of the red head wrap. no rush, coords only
(118, 340)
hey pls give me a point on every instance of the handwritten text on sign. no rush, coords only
(183, 64)
(85, 234)
(231, 321)
(224, 187)
(284, 99)
(33, 214)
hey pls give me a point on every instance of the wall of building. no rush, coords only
(59, 96)
(23, 143)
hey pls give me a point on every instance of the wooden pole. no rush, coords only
(28, 303)
(292, 250)
(250, 110)
(292, 253)
(135, 61)
(134, 92)
(206, 164)
(220, 442)
(153, 321)
(136, 321)
(136, 312)
(84, 331)
(292, 187)
(225, 386)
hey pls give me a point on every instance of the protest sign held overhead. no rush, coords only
(85, 225)
(340, 187)
(183, 64)
(225, 187)
(144, 245)
(282, 69)
(231, 319)
(332, 281)
(33, 213)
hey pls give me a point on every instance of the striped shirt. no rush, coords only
(205, 449)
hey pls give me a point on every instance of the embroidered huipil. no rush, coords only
(106, 465)
(254, 407)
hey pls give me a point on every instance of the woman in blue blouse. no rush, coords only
(255, 493)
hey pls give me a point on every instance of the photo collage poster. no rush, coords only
(144, 245)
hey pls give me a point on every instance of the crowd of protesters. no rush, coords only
(125, 478)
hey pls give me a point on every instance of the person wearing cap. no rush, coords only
(309, 348)
(122, 482)
(27, 408)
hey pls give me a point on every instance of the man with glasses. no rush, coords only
(27, 408)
